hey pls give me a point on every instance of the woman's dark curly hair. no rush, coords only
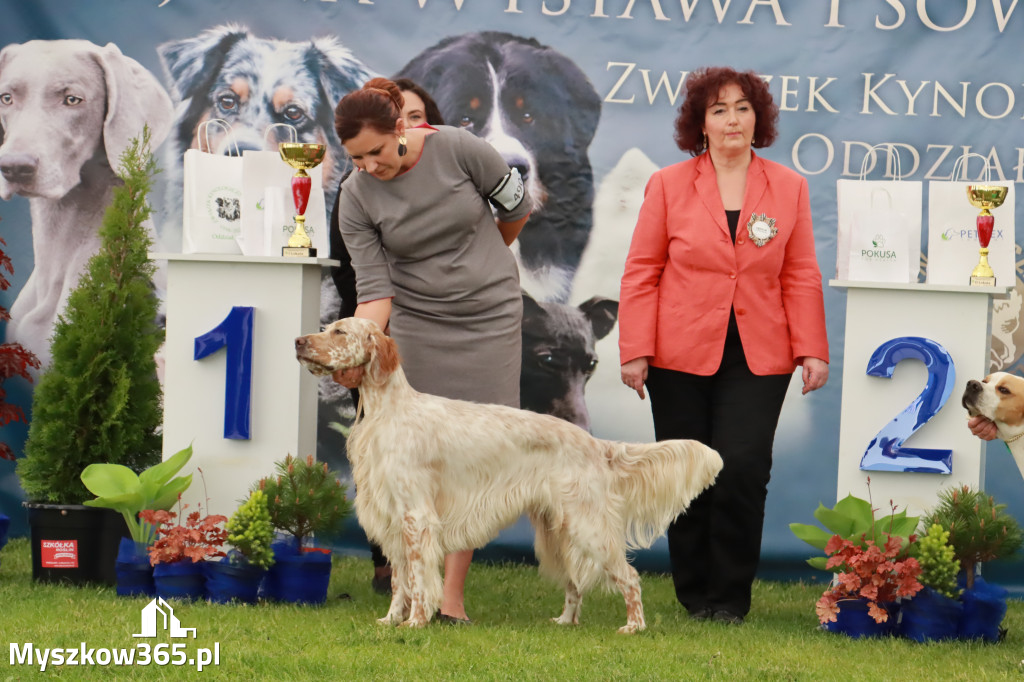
(702, 88)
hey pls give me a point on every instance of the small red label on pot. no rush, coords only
(59, 553)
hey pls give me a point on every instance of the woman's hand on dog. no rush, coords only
(983, 427)
(349, 377)
(634, 374)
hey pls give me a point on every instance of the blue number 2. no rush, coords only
(885, 452)
(235, 332)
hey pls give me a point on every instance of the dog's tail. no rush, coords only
(658, 482)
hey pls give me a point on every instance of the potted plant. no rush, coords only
(15, 360)
(979, 531)
(870, 560)
(934, 613)
(179, 549)
(119, 488)
(304, 498)
(238, 575)
(99, 400)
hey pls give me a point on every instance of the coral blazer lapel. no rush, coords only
(757, 183)
(707, 189)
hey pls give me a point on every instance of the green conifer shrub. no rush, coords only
(100, 399)
(304, 498)
(979, 529)
(250, 530)
(939, 565)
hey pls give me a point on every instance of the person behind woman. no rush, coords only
(720, 300)
(418, 109)
(430, 259)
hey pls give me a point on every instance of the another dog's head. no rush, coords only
(531, 102)
(559, 356)
(352, 351)
(64, 103)
(1000, 397)
(227, 73)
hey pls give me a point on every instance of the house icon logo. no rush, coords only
(158, 611)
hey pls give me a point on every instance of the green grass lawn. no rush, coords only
(513, 638)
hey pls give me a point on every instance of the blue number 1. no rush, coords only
(886, 452)
(235, 332)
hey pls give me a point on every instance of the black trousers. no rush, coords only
(716, 544)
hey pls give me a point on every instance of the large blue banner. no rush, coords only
(582, 92)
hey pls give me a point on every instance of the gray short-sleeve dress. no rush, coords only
(427, 239)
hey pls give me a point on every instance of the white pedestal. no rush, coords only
(201, 291)
(957, 318)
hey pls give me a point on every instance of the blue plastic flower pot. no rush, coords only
(984, 609)
(854, 621)
(226, 581)
(299, 577)
(930, 616)
(180, 580)
(5, 523)
(134, 572)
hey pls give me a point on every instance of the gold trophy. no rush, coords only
(985, 197)
(301, 156)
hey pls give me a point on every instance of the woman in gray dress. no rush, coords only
(430, 259)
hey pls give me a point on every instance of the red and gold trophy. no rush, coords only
(985, 197)
(301, 156)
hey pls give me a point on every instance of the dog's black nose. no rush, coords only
(971, 393)
(19, 167)
(520, 164)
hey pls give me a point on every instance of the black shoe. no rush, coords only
(445, 619)
(702, 613)
(727, 618)
(382, 584)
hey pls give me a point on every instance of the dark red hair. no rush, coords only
(702, 88)
(377, 105)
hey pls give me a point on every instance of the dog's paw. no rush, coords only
(389, 620)
(414, 623)
(566, 620)
(631, 628)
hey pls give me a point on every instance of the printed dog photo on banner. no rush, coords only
(539, 109)
(68, 109)
(252, 83)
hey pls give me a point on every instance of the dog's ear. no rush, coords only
(533, 313)
(339, 71)
(602, 313)
(193, 66)
(582, 99)
(134, 98)
(384, 359)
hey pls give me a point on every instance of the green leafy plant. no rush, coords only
(251, 532)
(979, 529)
(853, 519)
(99, 400)
(304, 498)
(119, 488)
(939, 565)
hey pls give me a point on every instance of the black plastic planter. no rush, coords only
(74, 543)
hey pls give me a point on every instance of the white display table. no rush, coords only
(956, 318)
(284, 297)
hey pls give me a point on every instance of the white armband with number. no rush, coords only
(509, 192)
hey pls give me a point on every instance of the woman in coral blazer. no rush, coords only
(721, 300)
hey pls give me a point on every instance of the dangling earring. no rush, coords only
(705, 141)
(402, 149)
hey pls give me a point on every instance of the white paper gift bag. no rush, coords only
(265, 172)
(212, 196)
(879, 247)
(879, 211)
(953, 234)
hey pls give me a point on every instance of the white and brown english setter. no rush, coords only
(435, 476)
